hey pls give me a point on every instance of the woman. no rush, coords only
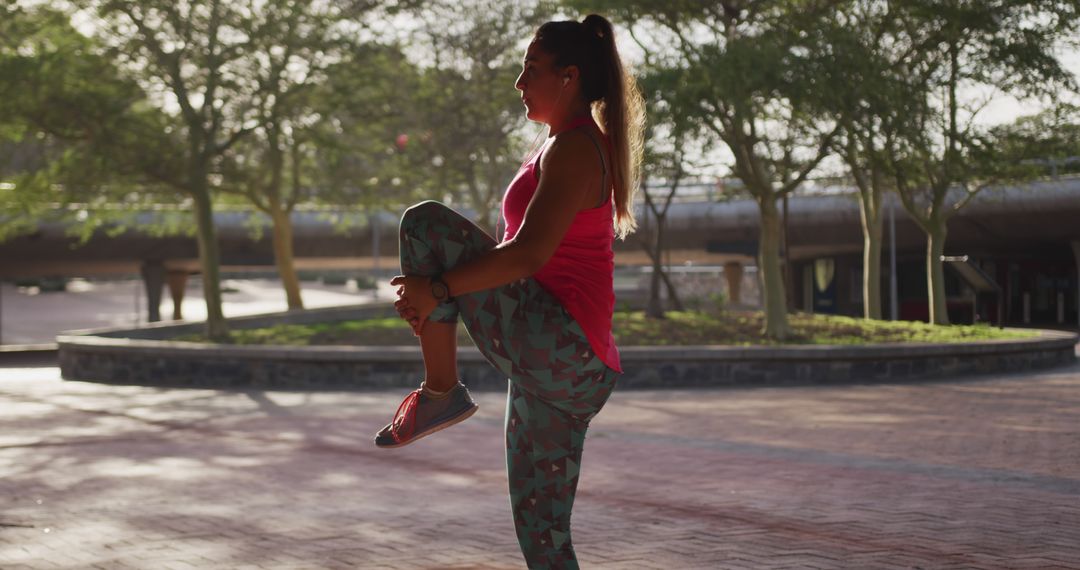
(538, 304)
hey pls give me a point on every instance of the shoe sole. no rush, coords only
(450, 422)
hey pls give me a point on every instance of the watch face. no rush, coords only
(438, 290)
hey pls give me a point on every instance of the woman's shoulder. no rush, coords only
(572, 147)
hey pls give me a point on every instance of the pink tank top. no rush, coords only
(579, 273)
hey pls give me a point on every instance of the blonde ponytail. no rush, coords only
(621, 114)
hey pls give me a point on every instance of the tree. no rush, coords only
(867, 106)
(269, 82)
(82, 138)
(467, 99)
(749, 74)
(654, 244)
(1048, 142)
(871, 184)
(939, 156)
(197, 57)
(666, 139)
(293, 46)
(374, 147)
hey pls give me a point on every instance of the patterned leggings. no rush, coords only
(557, 383)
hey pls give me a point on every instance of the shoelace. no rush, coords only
(405, 418)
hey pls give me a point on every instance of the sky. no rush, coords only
(1005, 109)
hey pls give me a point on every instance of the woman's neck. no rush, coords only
(563, 122)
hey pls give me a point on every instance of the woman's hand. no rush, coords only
(415, 301)
(407, 313)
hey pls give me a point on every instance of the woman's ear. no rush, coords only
(570, 72)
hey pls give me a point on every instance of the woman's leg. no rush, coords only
(438, 343)
(433, 239)
(543, 459)
(557, 383)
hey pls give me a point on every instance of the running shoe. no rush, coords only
(421, 415)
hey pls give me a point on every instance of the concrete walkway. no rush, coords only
(29, 317)
(965, 474)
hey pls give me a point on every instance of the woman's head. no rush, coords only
(565, 67)
(573, 64)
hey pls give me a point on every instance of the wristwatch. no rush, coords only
(440, 290)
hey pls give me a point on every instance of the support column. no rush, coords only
(733, 273)
(153, 274)
(177, 282)
(808, 287)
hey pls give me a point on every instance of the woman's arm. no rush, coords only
(568, 170)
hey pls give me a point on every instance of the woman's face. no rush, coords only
(540, 84)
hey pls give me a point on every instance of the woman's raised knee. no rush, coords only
(423, 210)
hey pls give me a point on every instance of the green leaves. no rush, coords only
(466, 102)
(69, 117)
(1046, 143)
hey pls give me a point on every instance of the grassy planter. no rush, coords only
(632, 328)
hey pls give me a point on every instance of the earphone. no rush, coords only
(565, 80)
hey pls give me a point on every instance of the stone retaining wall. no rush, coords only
(144, 356)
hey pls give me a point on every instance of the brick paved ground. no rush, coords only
(961, 474)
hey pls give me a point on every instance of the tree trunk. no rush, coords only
(776, 321)
(872, 271)
(935, 271)
(217, 329)
(283, 256)
(279, 214)
(672, 296)
(870, 213)
(654, 309)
